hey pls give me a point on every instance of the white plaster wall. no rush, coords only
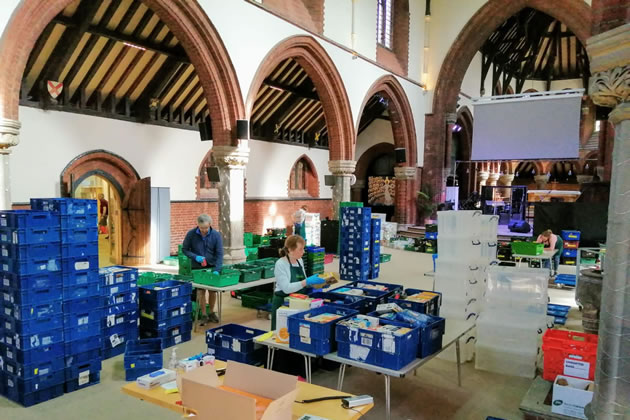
(380, 131)
(365, 27)
(416, 38)
(338, 21)
(270, 166)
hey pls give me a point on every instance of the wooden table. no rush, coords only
(327, 409)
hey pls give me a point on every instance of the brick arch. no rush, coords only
(110, 166)
(332, 93)
(575, 14)
(186, 19)
(401, 116)
(312, 180)
(368, 156)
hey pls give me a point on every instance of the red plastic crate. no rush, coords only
(571, 244)
(561, 345)
(328, 259)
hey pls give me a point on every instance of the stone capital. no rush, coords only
(9, 134)
(342, 167)
(451, 117)
(620, 113)
(232, 157)
(611, 87)
(581, 179)
(405, 172)
(506, 179)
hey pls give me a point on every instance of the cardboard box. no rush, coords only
(244, 395)
(571, 399)
(282, 325)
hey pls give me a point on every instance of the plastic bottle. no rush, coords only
(172, 364)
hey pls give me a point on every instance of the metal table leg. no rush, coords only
(342, 372)
(273, 354)
(459, 366)
(388, 414)
(306, 369)
(220, 304)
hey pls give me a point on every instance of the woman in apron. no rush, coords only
(290, 274)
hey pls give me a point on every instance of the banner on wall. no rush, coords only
(381, 191)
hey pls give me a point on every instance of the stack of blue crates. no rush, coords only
(82, 303)
(142, 357)
(31, 317)
(355, 244)
(375, 249)
(119, 287)
(168, 303)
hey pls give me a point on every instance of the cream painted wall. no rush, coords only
(337, 21)
(416, 38)
(380, 131)
(365, 27)
(270, 165)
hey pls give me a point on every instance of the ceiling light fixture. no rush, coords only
(276, 88)
(134, 46)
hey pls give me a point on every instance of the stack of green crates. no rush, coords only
(314, 260)
(251, 253)
(255, 298)
(248, 239)
(268, 265)
(150, 277)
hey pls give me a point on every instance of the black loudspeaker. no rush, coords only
(401, 155)
(329, 180)
(213, 174)
(205, 129)
(242, 129)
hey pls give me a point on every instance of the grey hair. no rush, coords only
(204, 219)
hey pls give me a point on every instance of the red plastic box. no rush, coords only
(569, 353)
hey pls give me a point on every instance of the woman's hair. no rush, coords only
(290, 244)
(547, 233)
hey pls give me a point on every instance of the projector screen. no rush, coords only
(531, 126)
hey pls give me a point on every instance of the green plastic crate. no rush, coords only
(385, 258)
(254, 299)
(248, 239)
(527, 248)
(149, 277)
(264, 240)
(172, 261)
(249, 272)
(268, 268)
(227, 277)
(351, 204)
(184, 265)
(251, 253)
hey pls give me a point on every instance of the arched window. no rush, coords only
(206, 189)
(303, 180)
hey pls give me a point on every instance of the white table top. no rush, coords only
(544, 256)
(271, 342)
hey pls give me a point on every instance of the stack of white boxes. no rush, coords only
(513, 319)
(313, 228)
(467, 245)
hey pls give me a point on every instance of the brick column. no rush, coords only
(343, 171)
(405, 194)
(231, 162)
(451, 119)
(609, 86)
(9, 137)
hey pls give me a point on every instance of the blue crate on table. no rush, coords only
(126, 318)
(312, 345)
(148, 312)
(122, 300)
(571, 253)
(25, 357)
(81, 291)
(28, 236)
(557, 310)
(77, 221)
(312, 336)
(118, 288)
(83, 305)
(15, 384)
(314, 249)
(161, 291)
(565, 279)
(570, 235)
(371, 298)
(143, 354)
(347, 301)
(38, 265)
(234, 337)
(31, 311)
(254, 357)
(385, 350)
(33, 370)
(117, 274)
(79, 249)
(31, 326)
(28, 252)
(33, 341)
(80, 264)
(357, 211)
(389, 288)
(30, 282)
(37, 397)
(432, 307)
(84, 345)
(74, 235)
(560, 320)
(79, 278)
(351, 276)
(164, 323)
(176, 339)
(356, 246)
(28, 219)
(29, 297)
(65, 206)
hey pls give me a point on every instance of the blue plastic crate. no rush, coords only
(560, 320)
(27, 236)
(354, 211)
(314, 249)
(80, 264)
(234, 337)
(92, 329)
(75, 371)
(116, 289)
(162, 304)
(166, 332)
(33, 311)
(37, 397)
(30, 282)
(74, 235)
(78, 221)
(176, 339)
(168, 289)
(431, 307)
(255, 357)
(389, 287)
(91, 378)
(29, 297)
(117, 274)
(65, 205)
(557, 310)
(570, 235)
(354, 261)
(108, 353)
(81, 346)
(31, 326)
(354, 246)
(33, 341)
(28, 219)
(126, 318)
(370, 298)
(13, 383)
(85, 357)
(122, 328)
(37, 355)
(79, 249)
(122, 300)
(79, 278)
(313, 336)
(81, 291)
(132, 374)
(353, 302)
(120, 308)
(78, 319)
(571, 253)
(114, 344)
(431, 235)
(147, 312)
(164, 323)
(41, 251)
(83, 305)
(374, 274)
(31, 266)
(565, 279)
(143, 354)
(33, 370)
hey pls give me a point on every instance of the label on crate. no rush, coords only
(175, 332)
(576, 368)
(3, 222)
(174, 293)
(7, 282)
(389, 345)
(84, 320)
(366, 340)
(236, 345)
(111, 320)
(46, 340)
(15, 237)
(9, 354)
(7, 326)
(178, 339)
(113, 290)
(305, 330)
(10, 383)
(43, 372)
(81, 265)
(5, 252)
(7, 297)
(10, 369)
(305, 340)
(4, 237)
(84, 377)
(115, 340)
(5, 267)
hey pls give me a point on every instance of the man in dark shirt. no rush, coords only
(204, 246)
(104, 212)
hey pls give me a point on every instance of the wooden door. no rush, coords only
(136, 223)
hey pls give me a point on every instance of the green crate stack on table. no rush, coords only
(314, 263)
(251, 247)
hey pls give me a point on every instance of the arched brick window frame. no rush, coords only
(396, 58)
(206, 190)
(303, 179)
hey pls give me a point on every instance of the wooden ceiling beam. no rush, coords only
(156, 86)
(306, 94)
(39, 46)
